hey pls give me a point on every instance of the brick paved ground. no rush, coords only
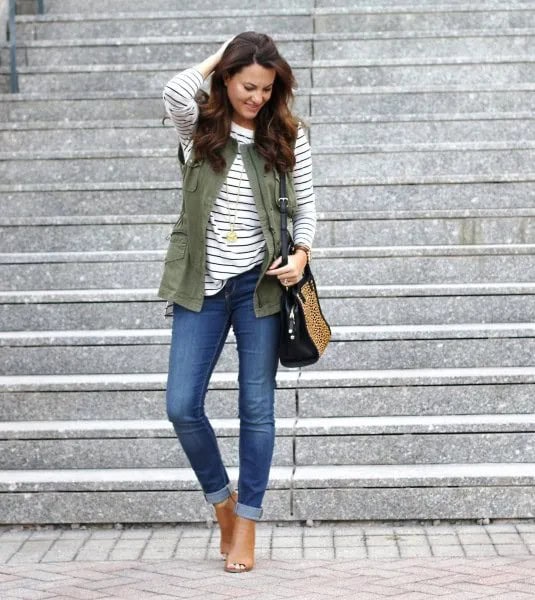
(409, 562)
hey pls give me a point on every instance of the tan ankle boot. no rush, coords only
(241, 555)
(226, 518)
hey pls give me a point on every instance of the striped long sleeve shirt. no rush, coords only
(234, 208)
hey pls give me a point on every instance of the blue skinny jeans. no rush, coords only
(196, 343)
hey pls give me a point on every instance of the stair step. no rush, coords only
(403, 4)
(331, 230)
(478, 44)
(423, 101)
(504, 161)
(322, 216)
(115, 479)
(120, 396)
(412, 16)
(393, 347)
(87, 104)
(330, 215)
(320, 394)
(111, 403)
(340, 333)
(128, 429)
(123, 6)
(424, 396)
(131, 198)
(306, 379)
(60, 199)
(429, 491)
(414, 440)
(28, 297)
(502, 70)
(383, 492)
(372, 134)
(351, 149)
(321, 253)
(391, 475)
(132, 495)
(440, 130)
(155, 50)
(400, 449)
(150, 78)
(412, 100)
(386, 305)
(332, 441)
(127, 6)
(403, 72)
(332, 266)
(439, 17)
(285, 427)
(118, 444)
(193, 23)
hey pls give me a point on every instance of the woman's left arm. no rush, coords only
(304, 221)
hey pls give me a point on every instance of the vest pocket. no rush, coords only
(177, 247)
(191, 175)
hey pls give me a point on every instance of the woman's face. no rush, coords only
(248, 91)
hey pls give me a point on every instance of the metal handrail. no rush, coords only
(13, 75)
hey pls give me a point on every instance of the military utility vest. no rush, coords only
(184, 270)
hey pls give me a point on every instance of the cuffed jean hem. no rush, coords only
(248, 512)
(220, 495)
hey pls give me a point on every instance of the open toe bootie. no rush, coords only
(226, 518)
(241, 554)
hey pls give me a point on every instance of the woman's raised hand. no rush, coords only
(210, 63)
(222, 48)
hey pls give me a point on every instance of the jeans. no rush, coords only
(196, 343)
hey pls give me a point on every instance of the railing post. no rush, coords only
(13, 76)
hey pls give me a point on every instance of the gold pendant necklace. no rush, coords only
(232, 236)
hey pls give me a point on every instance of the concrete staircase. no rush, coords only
(422, 121)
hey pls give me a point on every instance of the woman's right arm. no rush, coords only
(180, 104)
(179, 94)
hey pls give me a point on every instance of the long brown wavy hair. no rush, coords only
(275, 124)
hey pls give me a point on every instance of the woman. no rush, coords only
(223, 264)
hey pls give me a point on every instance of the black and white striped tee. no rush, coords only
(223, 258)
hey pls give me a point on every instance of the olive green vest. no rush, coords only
(183, 276)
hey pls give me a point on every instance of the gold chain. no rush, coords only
(232, 236)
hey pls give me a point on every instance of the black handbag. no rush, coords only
(304, 331)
